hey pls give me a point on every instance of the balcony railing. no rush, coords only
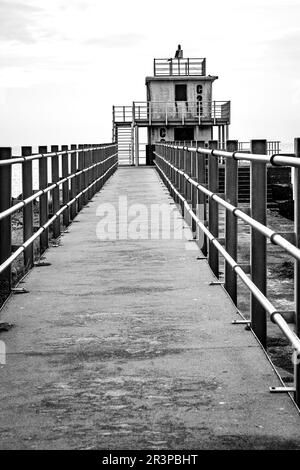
(179, 67)
(273, 146)
(182, 112)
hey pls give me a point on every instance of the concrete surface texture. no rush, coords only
(123, 344)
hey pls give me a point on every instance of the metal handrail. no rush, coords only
(38, 156)
(41, 229)
(275, 237)
(275, 159)
(275, 316)
(40, 192)
(186, 179)
(83, 174)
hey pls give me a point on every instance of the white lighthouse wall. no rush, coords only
(164, 90)
(161, 94)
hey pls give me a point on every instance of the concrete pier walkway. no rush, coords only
(123, 344)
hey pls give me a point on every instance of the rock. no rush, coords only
(286, 209)
(6, 326)
(282, 192)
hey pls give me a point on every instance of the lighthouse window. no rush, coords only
(180, 93)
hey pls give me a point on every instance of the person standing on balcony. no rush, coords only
(179, 53)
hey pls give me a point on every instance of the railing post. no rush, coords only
(73, 181)
(27, 191)
(171, 158)
(174, 173)
(95, 161)
(5, 224)
(55, 191)
(181, 179)
(90, 172)
(101, 166)
(258, 255)
(105, 155)
(231, 196)
(189, 172)
(81, 177)
(44, 207)
(185, 166)
(94, 171)
(213, 209)
(297, 266)
(66, 193)
(86, 175)
(177, 177)
(194, 190)
(201, 198)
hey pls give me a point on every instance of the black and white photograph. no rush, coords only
(149, 229)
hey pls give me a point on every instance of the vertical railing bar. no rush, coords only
(297, 267)
(201, 198)
(5, 224)
(231, 234)
(65, 188)
(27, 191)
(85, 175)
(44, 198)
(73, 192)
(194, 191)
(55, 191)
(213, 217)
(258, 254)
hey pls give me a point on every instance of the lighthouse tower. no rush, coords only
(179, 107)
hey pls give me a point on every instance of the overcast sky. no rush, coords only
(64, 63)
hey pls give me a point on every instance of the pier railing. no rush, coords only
(77, 173)
(183, 169)
(273, 146)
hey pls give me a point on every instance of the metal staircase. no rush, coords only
(124, 136)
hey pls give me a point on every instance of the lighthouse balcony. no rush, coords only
(147, 113)
(182, 67)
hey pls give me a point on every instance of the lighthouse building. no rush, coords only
(179, 107)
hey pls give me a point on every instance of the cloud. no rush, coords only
(285, 46)
(17, 21)
(117, 40)
(280, 54)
